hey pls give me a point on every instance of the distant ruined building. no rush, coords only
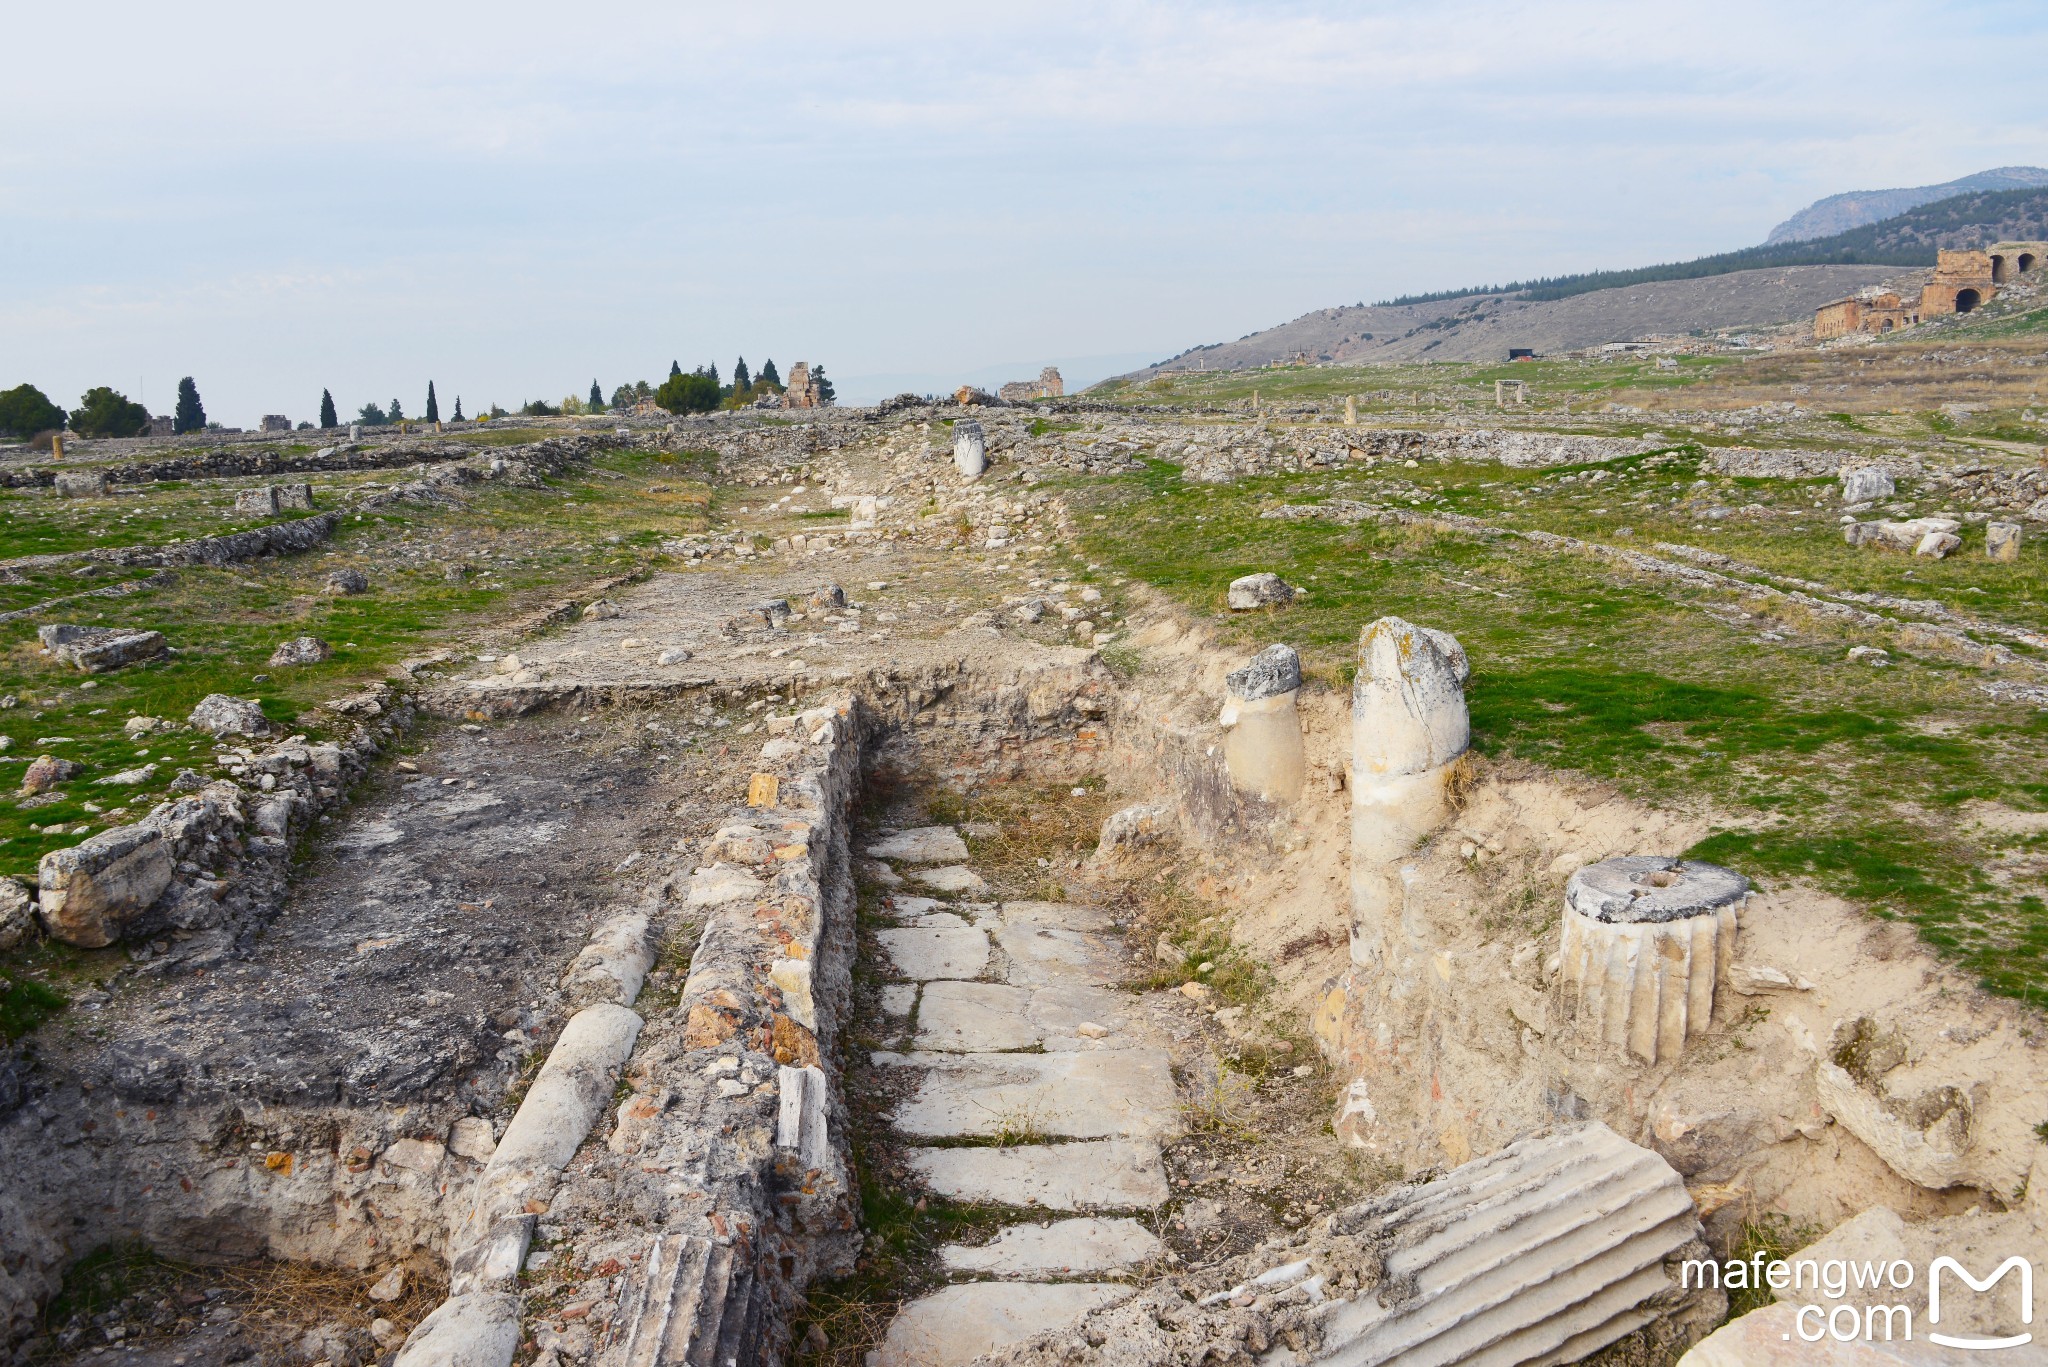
(802, 391)
(1048, 385)
(1962, 282)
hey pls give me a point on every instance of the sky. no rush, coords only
(512, 199)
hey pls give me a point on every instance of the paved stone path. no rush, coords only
(1051, 1085)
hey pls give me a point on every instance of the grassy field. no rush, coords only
(518, 546)
(1382, 388)
(1864, 778)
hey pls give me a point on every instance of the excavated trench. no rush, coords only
(953, 1002)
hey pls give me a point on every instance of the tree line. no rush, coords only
(25, 411)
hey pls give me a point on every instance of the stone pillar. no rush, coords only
(970, 449)
(56, 446)
(355, 431)
(1351, 410)
(1646, 938)
(1408, 728)
(2002, 541)
(1262, 740)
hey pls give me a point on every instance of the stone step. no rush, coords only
(960, 1323)
(966, 1017)
(1063, 1248)
(924, 953)
(1110, 1093)
(1110, 1174)
(921, 845)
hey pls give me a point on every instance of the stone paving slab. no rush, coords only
(1043, 956)
(960, 1323)
(1126, 1093)
(1064, 915)
(922, 954)
(898, 999)
(1064, 1248)
(975, 1018)
(951, 878)
(923, 845)
(1060, 1014)
(1110, 1174)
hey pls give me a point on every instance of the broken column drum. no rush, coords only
(970, 449)
(1646, 939)
(1408, 729)
(1262, 737)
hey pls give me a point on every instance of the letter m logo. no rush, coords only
(2026, 1270)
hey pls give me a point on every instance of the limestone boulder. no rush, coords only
(1129, 830)
(95, 650)
(301, 650)
(1907, 537)
(17, 913)
(92, 891)
(46, 772)
(220, 714)
(81, 484)
(1254, 591)
(2002, 541)
(970, 449)
(1866, 484)
(344, 582)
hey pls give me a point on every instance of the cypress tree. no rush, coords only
(768, 375)
(711, 371)
(328, 417)
(740, 378)
(190, 415)
(433, 404)
(395, 413)
(675, 368)
(596, 398)
(458, 408)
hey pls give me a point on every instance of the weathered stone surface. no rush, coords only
(347, 582)
(1495, 1272)
(1113, 1174)
(827, 598)
(971, 1017)
(1046, 955)
(1131, 829)
(960, 1323)
(1264, 590)
(920, 953)
(1900, 536)
(301, 650)
(1866, 484)
(771, 611)
(17, 913)
(45, 772)
(1646, 941)
(923, 845)
(1062, 1248)
(1273, 671)
(951, 878)
(970, 449)
(1124, 1093)
(480, 1329)
(99, 649)
(222, 715)
(81, 483)
(91, 891)
(1772, 1337)
(262, 501)
(2002, 541)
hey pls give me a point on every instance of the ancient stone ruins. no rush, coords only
(883, 935)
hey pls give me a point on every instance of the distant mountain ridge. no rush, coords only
(1856, 208)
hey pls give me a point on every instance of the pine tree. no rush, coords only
(596, 398)
(768, 375)
(458, 408)
(190, 415)
(433, 404)
(675, 369)
(328, 417)
(395, 413)
(740, 378)
(825, 391)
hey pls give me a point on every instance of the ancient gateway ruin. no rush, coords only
(1962, 281)
(1048, 385)
(802, 391)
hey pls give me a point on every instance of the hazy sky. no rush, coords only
(513, 198)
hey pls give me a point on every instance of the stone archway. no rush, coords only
(1967, 300)
(2027, 261)
(1998, 273)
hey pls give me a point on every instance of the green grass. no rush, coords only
(25, 1003)
(1435, 384)
(527, 545)
(1824, 768)
(38, 522)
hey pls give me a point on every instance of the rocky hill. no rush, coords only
(1839, 213)
(1481, 327)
